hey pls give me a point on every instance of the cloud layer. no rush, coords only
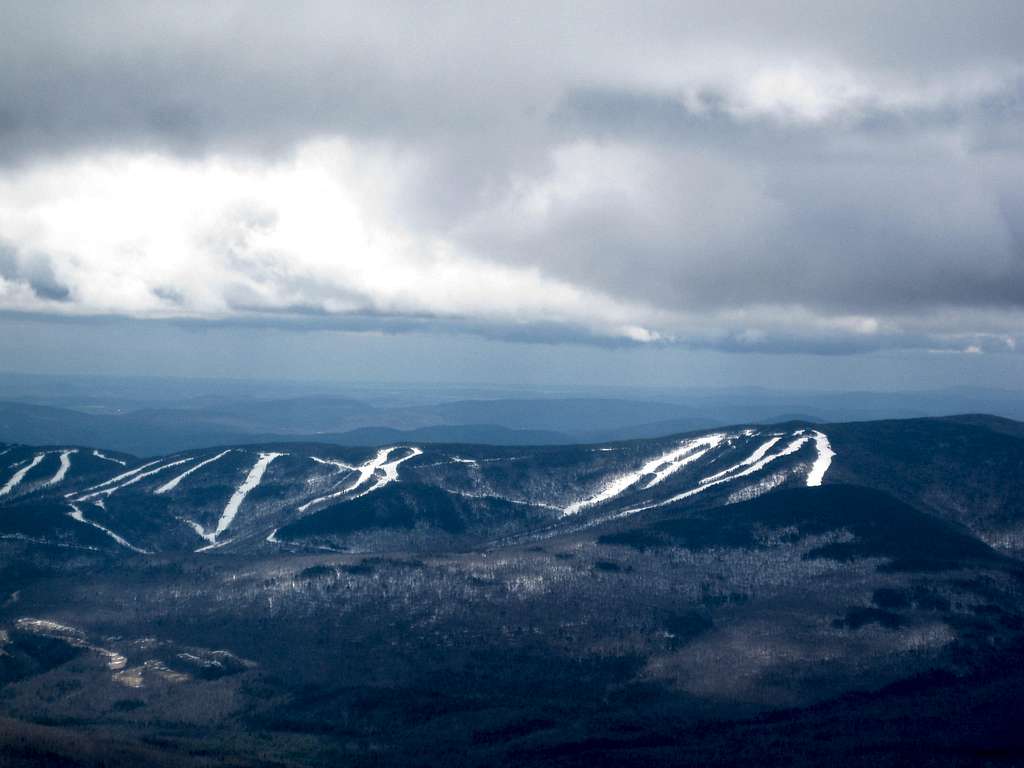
(792, 176)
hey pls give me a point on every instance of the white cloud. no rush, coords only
(319, 235)
(771, 176)
(153, 236)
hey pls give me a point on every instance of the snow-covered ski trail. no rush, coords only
(65, 465)
(389, 470)
(753, 458)
(100, 455)
(18, 476)
(250, 482)
(172, 484)
(122, 476)
(341, 466)
(367, 471)
(824, 460)
(76, 514)
(657, 468)
(133, 478)
(800, 438)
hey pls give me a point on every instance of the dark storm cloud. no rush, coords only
(791, 175)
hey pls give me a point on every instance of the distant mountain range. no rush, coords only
(342, 421)
(167, 420)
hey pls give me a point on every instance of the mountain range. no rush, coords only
(637, 602)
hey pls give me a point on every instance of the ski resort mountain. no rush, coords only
(250, 498)
(627, 602)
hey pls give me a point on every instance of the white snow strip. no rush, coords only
(660, 467)
(99, 455)
(200, 530)
(753, 458)
(460, 460)
(678, 462)
(367, 471)
(65, 465)
(47, 627)
(133, 479)
(499, 497)
(390, 468)
(824, 460)
(123, 475)
(390, 472)
(791, 447)
(18, 476)
(172, 484)
(251, 481)
(758, 488)
(341, 465)
(214, 545)
(76, 514)
(272, 538)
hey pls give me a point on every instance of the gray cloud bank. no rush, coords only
(773, 176)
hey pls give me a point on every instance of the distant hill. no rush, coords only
(155, 431)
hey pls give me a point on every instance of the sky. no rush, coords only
(797, 194)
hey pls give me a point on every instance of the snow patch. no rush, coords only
(47, 627)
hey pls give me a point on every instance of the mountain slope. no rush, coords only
(238, 497)
(962, 470)
(640, 603)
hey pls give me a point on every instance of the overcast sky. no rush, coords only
(559, 184)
